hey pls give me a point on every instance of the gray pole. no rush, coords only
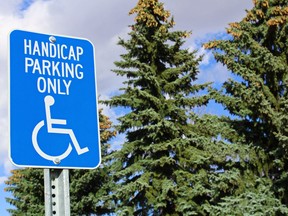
(56, 189)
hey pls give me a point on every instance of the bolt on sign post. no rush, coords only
(53, 104)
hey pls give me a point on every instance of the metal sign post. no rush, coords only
(57, 196)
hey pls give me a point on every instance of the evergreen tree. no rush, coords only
(27, 188)
(257, 99)
(86, 188)
(165, 165)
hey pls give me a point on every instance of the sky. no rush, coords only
(103, 22)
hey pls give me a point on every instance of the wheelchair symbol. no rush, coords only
(49, 101)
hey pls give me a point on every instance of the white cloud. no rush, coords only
(207, 16)
(3, 179)
(216, 74)
(210, 71)
(117, 142)
(110, 112)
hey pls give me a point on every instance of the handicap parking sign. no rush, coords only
(53, 102)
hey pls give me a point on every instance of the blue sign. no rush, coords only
(53, 102)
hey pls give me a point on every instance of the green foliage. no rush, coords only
(259, 200)
(257, 54)
(87, 187)
(28, 190)
(164, 167)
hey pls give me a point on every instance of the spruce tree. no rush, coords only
(27, 188)
(256, 53)
(87, 187)
(165, 165)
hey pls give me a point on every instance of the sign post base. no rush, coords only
(56, 189)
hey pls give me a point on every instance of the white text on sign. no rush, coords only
(55, 76)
